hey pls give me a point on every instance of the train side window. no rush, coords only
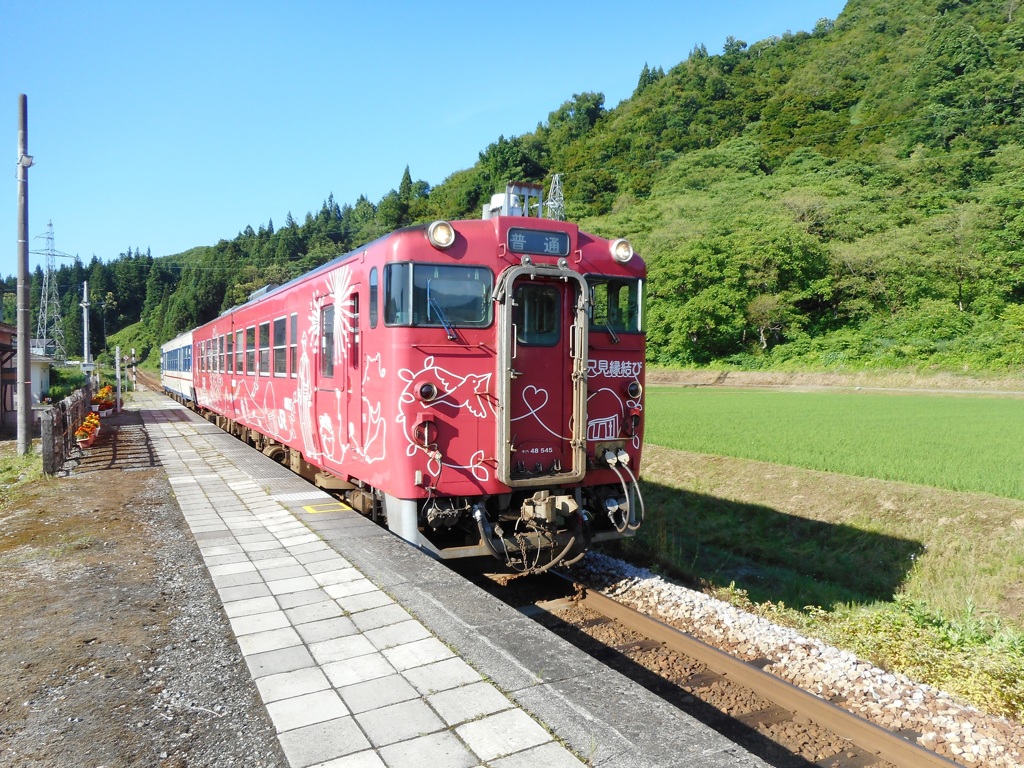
(250, 350)
(354, 351)
(281, 346)
(229, 353)
(265, 349)
(188, 359)
(294, 349)
(536, 312)
(373, 297)
(327, 341)
(240, 352)
(221, 367)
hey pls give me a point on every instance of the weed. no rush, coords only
(67, 544)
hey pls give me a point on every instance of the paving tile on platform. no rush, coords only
(328, 629)
(308, 709)
(364, 601)
(459, 705)
(288, 684)
(341, 648)
(357, 670)
(398, 722)
(436, 750)
(503, 734)
(377, 693)
(269, 640)
(324, 741)
(417, 654)
(295, 584)
(396, 634)
(276, 662)
(259, 622)
(441, 676)
(322, 609)
(250, 606)
(550, 755)
(380, 617)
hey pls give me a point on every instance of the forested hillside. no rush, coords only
(849, 197)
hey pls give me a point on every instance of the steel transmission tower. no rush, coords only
(555, 201)
(50, 327)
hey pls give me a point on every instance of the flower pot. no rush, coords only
(95, 408)
(86, 442)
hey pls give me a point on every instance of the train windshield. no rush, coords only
(616, 304)
(438, 295)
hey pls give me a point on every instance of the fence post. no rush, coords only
(52, 458)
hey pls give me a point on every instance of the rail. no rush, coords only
(866, 736)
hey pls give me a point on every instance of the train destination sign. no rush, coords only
(538, 242)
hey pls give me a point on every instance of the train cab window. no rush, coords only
(265, 348)
(229, 353)
(293, 350)
(616, 304)
(438, 295)
(281, 346)
(373, 297)
(327, 340)
(250, 350)
(240, 352)
(536, 313)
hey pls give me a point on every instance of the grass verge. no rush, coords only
(919, 580)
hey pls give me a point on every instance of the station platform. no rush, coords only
(367, 653)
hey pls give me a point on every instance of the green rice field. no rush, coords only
(958, 442)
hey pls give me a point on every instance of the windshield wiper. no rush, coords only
(615, 336)
(445, 322)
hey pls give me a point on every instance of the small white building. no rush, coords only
(39, 374)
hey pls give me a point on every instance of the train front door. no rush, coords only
(543, 386)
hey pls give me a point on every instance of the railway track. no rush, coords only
(785, 725)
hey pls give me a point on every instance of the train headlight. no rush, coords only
(622, 250)
(634, 390)
(441, 234)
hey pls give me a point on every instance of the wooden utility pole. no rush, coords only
(24, 386)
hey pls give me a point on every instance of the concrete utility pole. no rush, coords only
(24, 386)
(86, 354)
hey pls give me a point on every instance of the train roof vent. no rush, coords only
(516, 200)
(262, 291)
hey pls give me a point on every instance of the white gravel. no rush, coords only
(893, 701)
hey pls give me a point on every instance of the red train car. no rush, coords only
(476, 385)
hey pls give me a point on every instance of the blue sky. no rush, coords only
(166, 125)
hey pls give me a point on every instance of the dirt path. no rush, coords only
(115, 650)
(891, 381)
